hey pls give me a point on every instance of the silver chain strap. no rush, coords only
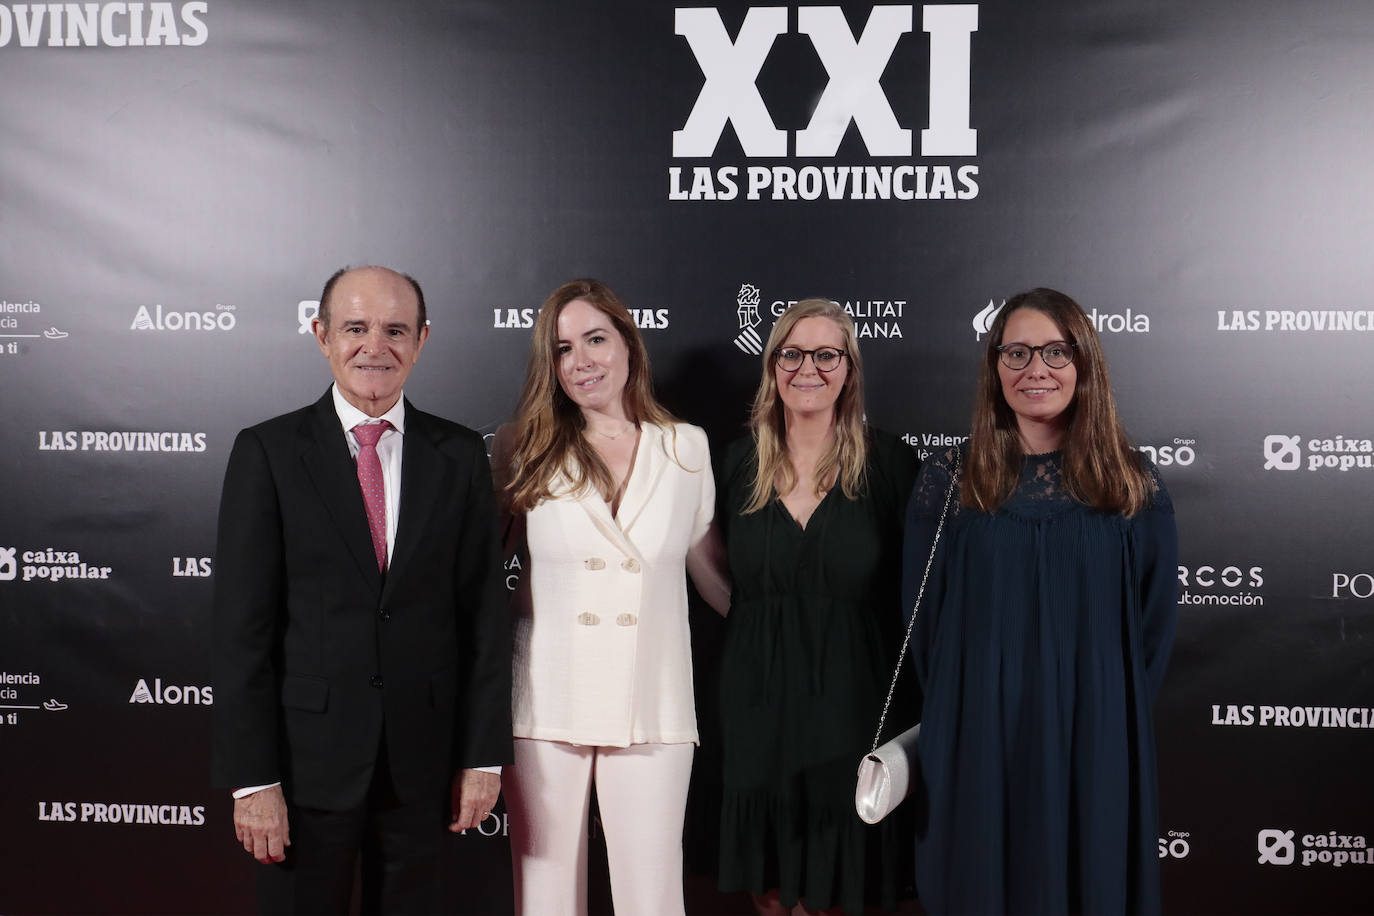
(901, 656)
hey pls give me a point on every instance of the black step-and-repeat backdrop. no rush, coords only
(177, 180)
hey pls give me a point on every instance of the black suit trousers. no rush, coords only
(395, 848)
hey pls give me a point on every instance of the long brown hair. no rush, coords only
(549, 425)
(1100, 469)
(845, 459)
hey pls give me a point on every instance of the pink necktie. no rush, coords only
(370, 479)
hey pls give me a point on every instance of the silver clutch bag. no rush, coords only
(885, 771)
(885, 776)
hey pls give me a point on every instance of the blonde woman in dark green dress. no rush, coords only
(813, 505)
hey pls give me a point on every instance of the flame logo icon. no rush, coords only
(982, 322)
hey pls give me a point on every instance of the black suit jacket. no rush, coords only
(317, 655)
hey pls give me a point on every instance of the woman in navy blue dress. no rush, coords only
(1043, 636)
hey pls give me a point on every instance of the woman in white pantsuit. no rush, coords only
(615, 500)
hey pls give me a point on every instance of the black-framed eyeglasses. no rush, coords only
(1057, 354)
(825, 359)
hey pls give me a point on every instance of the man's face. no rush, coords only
(372, 340)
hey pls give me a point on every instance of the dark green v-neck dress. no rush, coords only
(811, 640)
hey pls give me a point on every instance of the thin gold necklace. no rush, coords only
(617, 435)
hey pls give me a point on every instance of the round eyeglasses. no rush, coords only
(825, 359)
(1056, 354)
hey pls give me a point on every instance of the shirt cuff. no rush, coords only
(496, 769)
(249, 790)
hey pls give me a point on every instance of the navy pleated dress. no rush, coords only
(811, 642)
(1040, 646)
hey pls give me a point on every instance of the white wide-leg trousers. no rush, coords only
(642, 793)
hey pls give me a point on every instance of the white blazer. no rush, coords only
(602, 649)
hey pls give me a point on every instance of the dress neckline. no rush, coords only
(782, 507)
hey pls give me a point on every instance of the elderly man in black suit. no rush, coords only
(362, 653)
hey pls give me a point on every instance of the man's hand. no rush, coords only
(474, 793)
(260, 824)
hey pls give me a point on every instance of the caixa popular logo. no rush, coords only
(854, 60)
(1275, 847)
(1339, 453)
(47, 565)
(1281, 847)
(307, 310)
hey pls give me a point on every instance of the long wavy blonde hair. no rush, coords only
(1100, 469)
(844, 461)
(549, 440)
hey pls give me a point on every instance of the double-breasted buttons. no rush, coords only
(630, 564)
(626, 620)
(588, 619)
(594, 563)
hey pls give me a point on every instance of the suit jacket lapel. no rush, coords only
(420, 471)
(596, 508)
(325, 453)
(650, 462)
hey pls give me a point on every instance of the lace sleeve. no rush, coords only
(1159, 496)
(922, 525)
(922, 521)
(928, 498)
